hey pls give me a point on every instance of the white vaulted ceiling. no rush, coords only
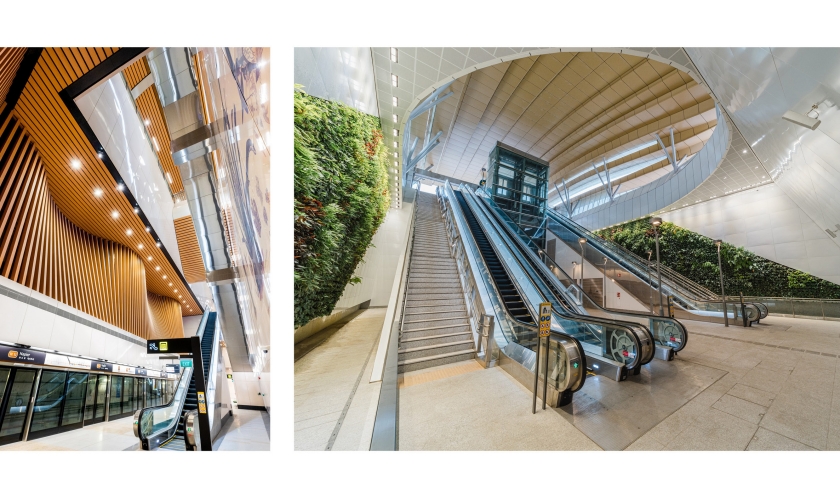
(571, 107)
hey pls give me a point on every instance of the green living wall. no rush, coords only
(695, 256)
(341, 198)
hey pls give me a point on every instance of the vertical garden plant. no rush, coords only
(340, 199)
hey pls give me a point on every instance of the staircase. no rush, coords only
(594, 288)
(435, 328)
(178, 441)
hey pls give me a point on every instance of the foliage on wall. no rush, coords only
(341, 198)
(695, 256)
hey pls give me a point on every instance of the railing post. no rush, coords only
(489, 345)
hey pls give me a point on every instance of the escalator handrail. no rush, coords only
(597, 244)
(564, 310)
(561, 311)
(456, 209)
(183, 381)
(514, 230)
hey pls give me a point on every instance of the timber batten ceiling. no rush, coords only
(10, 59)
(191, 261)
(136, 71)
(43, 250)
(164, 317)
(571, 109)
(61, 141)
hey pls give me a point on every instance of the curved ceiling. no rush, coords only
(61, 141)
(573, 109)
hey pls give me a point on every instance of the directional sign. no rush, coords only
(157, 346)
(202, 407)
(545, 319)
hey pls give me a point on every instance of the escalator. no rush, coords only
(514, 303)
(669, 334)
(611, 348)
(178, 441)
(168, 426)
(507, 340)
(690, 300)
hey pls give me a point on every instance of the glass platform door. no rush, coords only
(14, 406)
(95, 399)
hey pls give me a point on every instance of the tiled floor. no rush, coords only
(248, 431)
(332, 375)
(106, 436)
(774, 386)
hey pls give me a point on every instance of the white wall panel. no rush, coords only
(767, 222)
(111, 113)
(338, 74)
(24, 323)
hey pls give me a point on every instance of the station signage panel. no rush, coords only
(101, 366)
(186, 363)
(172, 368)
(163, 346)
(22, 355)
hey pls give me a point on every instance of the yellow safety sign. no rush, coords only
(545, 319)
(202, 407)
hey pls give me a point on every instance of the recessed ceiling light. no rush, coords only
(75, 164)
(149, 258)
(170, 284)
(744, 151)
(157, 244)
(129, 232)
(97, 192)
(136, 210)
(120, 187)
(139, 246)
(396, 132)
(395, 80)
(115, 214)
(147, 122)
(148, 229)
(157, 268)
(101, 155)
(394, 54)
(164, 277)
(396, 101)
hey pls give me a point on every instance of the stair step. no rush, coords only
(437, 330)
(425, 324)
(433, 350)
(430, 340)
(433, 361)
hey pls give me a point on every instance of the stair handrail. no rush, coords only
(150, 438)
(507, 324)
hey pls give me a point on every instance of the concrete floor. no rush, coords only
(335, 404)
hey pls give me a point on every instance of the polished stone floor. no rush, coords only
(335, 403)
(773, 386)
(247, 431)
(117, 435)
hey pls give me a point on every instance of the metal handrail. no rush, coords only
(507, 321)
(681, 299)
(141, 416)
(517, 234)
(560, 314)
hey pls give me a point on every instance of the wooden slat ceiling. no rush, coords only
(43, 250)
(10, 58)
(151, 111)
(191, 261)
(61, 141)
(136, 71)
(164, 317)
(148, 104)
(569, 109)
